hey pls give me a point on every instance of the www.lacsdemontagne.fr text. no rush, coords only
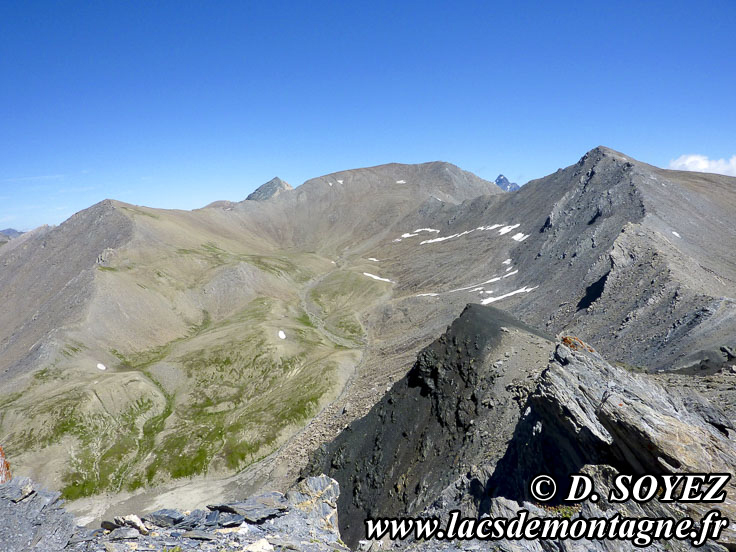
(639, 531)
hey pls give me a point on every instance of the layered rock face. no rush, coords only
(492, 404)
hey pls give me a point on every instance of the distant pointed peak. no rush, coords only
(270, 189)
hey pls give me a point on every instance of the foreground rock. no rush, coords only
(305, 519)
(32, 518)
(489, 424)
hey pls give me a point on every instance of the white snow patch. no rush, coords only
(438, 199)
(377, 277)
(282, 335)
(373, 259)
(525, 289)
(510, 273)
(676, 234)
(494, 279)
(491, 227)
(427, 294)
(401, 181)
(507, 261)
(333, 262)
(408, 235)
(426, 230)
(340, 181)
(435, 240)
(520, 237)
(330, 183)
(507, 229)
(509, 268)
(101, 366)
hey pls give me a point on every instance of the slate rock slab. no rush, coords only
(166, 517)
(256, 509)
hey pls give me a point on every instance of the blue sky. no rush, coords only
(179, 103)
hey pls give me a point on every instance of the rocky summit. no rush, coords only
(270, 189)
(413, 333)
(506, 185)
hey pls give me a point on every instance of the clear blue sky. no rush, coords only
(176, 104)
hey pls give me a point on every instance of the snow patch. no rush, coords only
(401, 181)
(340, 181)
(426, 230)
(520, 237)
(373, 259)
(408, 235)
(435, 240)
(377, 277)
(510, 273)
(101, 366)
(525, 289)
(491, 227)
(427, 294)
(507, 262)
(507, 229)
(282, 335)
(494, 279)
(676, 234)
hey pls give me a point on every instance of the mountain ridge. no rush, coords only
(360, 270)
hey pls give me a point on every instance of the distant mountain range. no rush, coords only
(503, 183)
(144, 350)
(10, 233)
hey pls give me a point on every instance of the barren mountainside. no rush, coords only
(145, 350)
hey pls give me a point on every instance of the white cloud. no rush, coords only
(701, 163)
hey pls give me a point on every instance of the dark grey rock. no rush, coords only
(195, 518)
(256, 509)
(165, 517)
(198, 535)
(230, 520)
(109, 525)
(123, 533)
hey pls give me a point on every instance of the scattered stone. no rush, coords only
(109, 525)
(256, 509)
(198, 535)
(123, 533)
(164, 518)
(134, 522)
(261, 545)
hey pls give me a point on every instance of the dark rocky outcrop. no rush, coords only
(456, 408)
(466, 431)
